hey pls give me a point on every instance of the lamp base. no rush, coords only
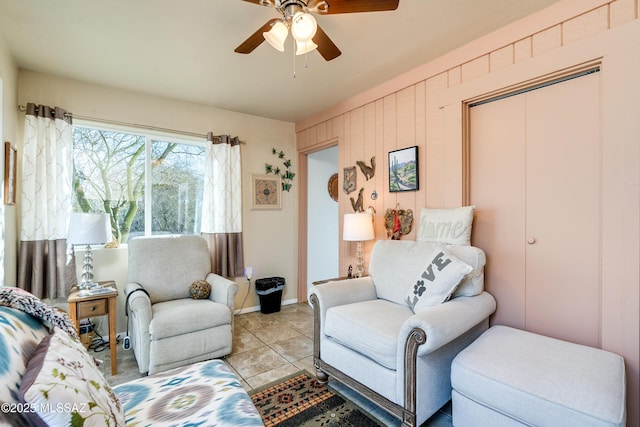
(359, 261)
(87, 271)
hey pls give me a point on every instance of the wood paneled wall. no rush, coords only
(426, 107)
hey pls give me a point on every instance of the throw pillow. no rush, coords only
(200, 289)
(64, 387)
(20, 334)
(446, 226)
(438, 280)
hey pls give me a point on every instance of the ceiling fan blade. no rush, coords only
(256, 38)
(326, 47)
(353, 6)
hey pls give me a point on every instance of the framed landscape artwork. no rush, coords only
(265, 192)
(403, 170)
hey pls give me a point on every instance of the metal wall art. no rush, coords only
(286, 174)
(356, 204)
(367, 171)
(398, 222)
(350, 180)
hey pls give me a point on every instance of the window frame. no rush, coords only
(150, 135)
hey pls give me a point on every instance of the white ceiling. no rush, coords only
(184, 49)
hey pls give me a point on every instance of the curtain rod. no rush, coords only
(134, 125)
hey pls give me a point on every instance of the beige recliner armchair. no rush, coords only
(167, 327)
(371, 335)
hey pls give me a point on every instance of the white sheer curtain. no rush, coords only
(45, 204)
(222, 205)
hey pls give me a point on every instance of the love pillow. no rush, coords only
(438, 281)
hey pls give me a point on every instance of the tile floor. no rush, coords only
(267, 347)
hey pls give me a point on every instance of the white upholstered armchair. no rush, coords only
(167, 327)
(368, 336)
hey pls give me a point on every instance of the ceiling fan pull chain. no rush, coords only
(294, 56)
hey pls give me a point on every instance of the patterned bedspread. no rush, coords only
(204, 394)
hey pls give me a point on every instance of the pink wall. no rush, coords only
(425, 107)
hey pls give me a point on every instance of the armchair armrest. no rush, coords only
(138, 303)
(223, 290)
(341, 292)
(445, 322)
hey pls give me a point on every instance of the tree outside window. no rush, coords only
(111, 175)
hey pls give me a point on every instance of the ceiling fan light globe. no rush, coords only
(303, 27)
(305, 47)
(277, 35)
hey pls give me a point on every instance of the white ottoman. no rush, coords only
(509, 377)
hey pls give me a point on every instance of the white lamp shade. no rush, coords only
(304, 47)
(358, 227)
(303, 27)
(89, 229)
(277, 35)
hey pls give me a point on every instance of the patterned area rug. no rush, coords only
(301, 401)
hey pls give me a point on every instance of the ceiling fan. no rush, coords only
(297, 16)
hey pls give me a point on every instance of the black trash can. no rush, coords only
(269, 289)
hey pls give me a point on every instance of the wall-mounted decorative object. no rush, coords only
(265, 192)
(398, 222)
(285, 174)
(403, 170)
(367, 171)
(332, 187)
(350, 180)
(357, 204)
(374, 195)
(10, 159)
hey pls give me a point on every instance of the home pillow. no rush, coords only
(64, 387)
(447, 226)
(437, 281)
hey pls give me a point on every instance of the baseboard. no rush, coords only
(257, 308)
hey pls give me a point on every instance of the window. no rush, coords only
(147, 184)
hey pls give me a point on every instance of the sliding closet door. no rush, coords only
(541, 226)
(563, 210)
(497, 190)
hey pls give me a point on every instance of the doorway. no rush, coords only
(322, 217)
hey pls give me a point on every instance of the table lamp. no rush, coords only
(358, 227)
(89, 229)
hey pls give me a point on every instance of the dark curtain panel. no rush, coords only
(45, 269)
(226, 253)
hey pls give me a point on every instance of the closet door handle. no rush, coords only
(531, 240)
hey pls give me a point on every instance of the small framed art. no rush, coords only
(10, 154)
(265, 192)
(403, 170)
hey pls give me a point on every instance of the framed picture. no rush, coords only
(10, 154)
(265, 192)
(403, 170)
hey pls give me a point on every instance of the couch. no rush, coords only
(393, 334)
(168, 328)
(48, 378)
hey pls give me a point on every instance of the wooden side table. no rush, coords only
(83, 304)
